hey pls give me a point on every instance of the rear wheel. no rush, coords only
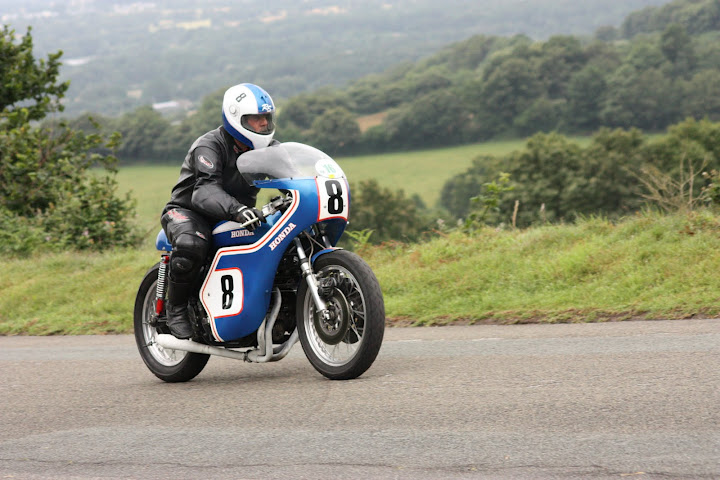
(168, 365)
(346, 345)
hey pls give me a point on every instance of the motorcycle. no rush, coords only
(260, 292)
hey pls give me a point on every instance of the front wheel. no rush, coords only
(344, 346)
(168, 365)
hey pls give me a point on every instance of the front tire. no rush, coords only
(166, 364)
(346, 347)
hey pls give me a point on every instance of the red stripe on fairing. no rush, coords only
(248, 249)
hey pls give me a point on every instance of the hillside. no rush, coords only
(487, 87)
(696, 16)
(484, 88)
(121, 54)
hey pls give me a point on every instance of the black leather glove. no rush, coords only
(246, 214)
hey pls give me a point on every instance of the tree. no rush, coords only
(702, 95)
(603, 56)
(433, 119)
(335, 130)
(376, 93)
(555, 179)
(665, 154)
(303, 110)
(560, 57)
(672, 167)
(29, 85)
(638, 22)
(674, 42)
(48, 196)
(459, 189)
(543, 115)
(510, 89)
(639, 98)
(543, 174)
(145, 135)
(645, 54)
(696, 16)
(605, 184)
(677, 47)
(586, 93)
(428, 81)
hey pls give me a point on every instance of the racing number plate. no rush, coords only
(223, 293)
(333, 198)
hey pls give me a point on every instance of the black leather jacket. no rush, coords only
(209, 182)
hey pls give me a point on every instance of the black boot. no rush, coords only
(178, 320)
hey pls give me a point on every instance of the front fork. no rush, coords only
(312, 282)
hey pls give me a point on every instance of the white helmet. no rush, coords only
(239, 103)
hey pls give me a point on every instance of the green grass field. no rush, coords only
(422, 172)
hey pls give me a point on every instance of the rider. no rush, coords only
(211, 189)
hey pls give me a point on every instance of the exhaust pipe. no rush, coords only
(265, 353)
(172, 343)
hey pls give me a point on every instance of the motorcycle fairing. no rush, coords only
(237, 289)
(228, 233)
(256, 266)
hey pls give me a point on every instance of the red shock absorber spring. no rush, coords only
(160, 289)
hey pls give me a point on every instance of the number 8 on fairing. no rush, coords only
(333, 199)
(226, 283)
(335, 203)
(224, 293)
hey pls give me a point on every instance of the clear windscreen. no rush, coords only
(287, 160)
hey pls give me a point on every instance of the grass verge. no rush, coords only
(647, 266)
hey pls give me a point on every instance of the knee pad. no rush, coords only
(188, 254)
(182, 265)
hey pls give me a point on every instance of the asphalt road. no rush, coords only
(615, 400)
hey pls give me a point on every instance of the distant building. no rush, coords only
(172, 106)
(76, 62)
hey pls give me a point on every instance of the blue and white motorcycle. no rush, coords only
(261, 291)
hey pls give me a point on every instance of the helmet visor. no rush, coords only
(260, 123)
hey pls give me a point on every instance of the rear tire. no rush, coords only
(166, 364)
(347, 347)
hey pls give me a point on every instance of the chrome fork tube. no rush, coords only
(310, 279)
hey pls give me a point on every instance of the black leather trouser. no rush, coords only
(189, 234)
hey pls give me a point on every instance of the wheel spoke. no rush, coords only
(354, 329)
(165, 357)
(343, 351)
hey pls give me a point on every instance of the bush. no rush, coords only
(46, 185)
(616, 174)
(390, 215)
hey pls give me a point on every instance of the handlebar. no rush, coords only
(276, 204)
